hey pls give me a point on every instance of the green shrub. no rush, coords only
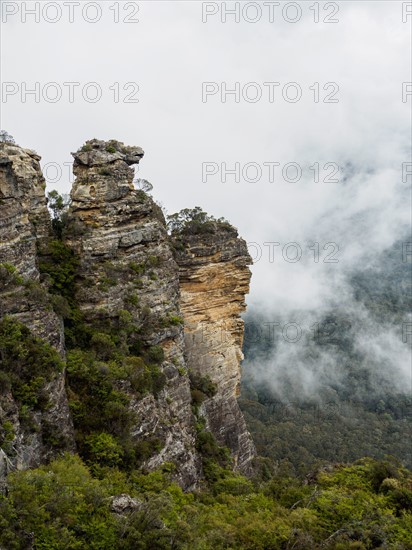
(145, 448)
(61, 306)
(138, 375)
(103, 449)
(192, 221)
(57, 506)
(7, 435)
(158, 381)
(202, 384)
(125, 319)
(132, 299)
(381, 470)
(5, 382)
(36, 292)
(153, 261)
(52, 435)
(139, 269)
(103, 345)
(197, 397)
(171, 320)
(76, 331)
(156, 354)
(9, 275)
(60, 263)
(207, 445)
(233, 484)
(28, 362)
(98, 406)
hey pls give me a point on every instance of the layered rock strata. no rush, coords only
(128, 281)
(24, 227)
(214, 279)
(126, 264)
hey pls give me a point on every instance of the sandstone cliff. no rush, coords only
(136, 305)
(126, 265)
(24, 226)
(214, 279)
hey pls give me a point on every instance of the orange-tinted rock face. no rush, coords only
(214, 279)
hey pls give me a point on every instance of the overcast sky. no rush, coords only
(364, 128)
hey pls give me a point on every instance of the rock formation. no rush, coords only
(180, 305)
(24, 227)
(126, 264)
(214, 279)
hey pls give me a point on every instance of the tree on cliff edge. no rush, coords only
(5, 137)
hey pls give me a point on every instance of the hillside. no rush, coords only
(121, 342)
(346, 391)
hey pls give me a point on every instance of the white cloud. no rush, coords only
(169, 53)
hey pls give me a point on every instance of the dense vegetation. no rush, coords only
(62, 505)
(103, 498)
(107, 363)
(194, 221)
(27, 365)
(334, 394)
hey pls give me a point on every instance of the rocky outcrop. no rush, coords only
(214, 279)
(24, 227)
(127, 265)
(133, 295)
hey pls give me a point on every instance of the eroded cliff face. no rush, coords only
(127, 270)
(214, 279)
(24, 227)
(137, 298)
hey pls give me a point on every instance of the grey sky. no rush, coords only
(170, 52)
